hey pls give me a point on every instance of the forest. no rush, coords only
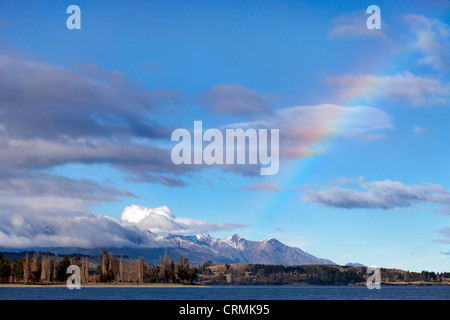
(46, 268)
(104, 268)
(259, 274)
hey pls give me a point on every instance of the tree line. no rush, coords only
(106, 268)
(258, 274)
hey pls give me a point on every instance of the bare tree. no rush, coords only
(47, 269)
(165, 268)
(26, 269)
(140, 270)
(121, 269)
(36, 267)
(84, 270)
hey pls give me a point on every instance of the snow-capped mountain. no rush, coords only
(203, 247)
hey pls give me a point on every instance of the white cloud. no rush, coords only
(404, 87)
(306, 130)
(418, 129)
(162, 220)
(432, 39)
(353, 25)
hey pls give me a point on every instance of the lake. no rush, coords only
(228, 293)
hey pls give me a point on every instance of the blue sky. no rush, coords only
(363, 119)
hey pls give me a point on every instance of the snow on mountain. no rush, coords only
(201, 248)
(236, 249)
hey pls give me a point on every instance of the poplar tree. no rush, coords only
(26, 269)
(165, 268)
(140, 270)
(84, 270)
(36, 267)
(121, 269)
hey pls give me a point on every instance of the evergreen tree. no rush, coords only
(5, 269)
(192, 274)
(61, 269)
(182, 269)
(172, 275)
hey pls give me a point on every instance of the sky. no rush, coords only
(87, 117)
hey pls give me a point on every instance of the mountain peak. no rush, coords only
(203, 236)
(235, 238)
(272, 241)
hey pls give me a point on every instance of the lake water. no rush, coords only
(229, 293)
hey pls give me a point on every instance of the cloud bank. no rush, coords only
(417, 91)
(384, 194)
(40, 227)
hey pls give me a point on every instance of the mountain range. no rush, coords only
(203, 247)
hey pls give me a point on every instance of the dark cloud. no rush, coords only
(40, 192)
(167, 180)
(68, 229)
(39, 100)
(385, 194)
(62, 228)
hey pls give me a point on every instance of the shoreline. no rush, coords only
(98, 285)
(178, 285)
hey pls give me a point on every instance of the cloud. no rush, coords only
(418, 129)
(53, 116)
(445, 233)
(40, 100)
(306, 130)
(237, 100)
(169, 180)
(61, 228)
(431, 38)
(445, 238)
(162, 220)
(404, 87)
(22, 192)
(384, 194)
(135, 159)
(261, 187)
(353, 25)
(70, 229)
